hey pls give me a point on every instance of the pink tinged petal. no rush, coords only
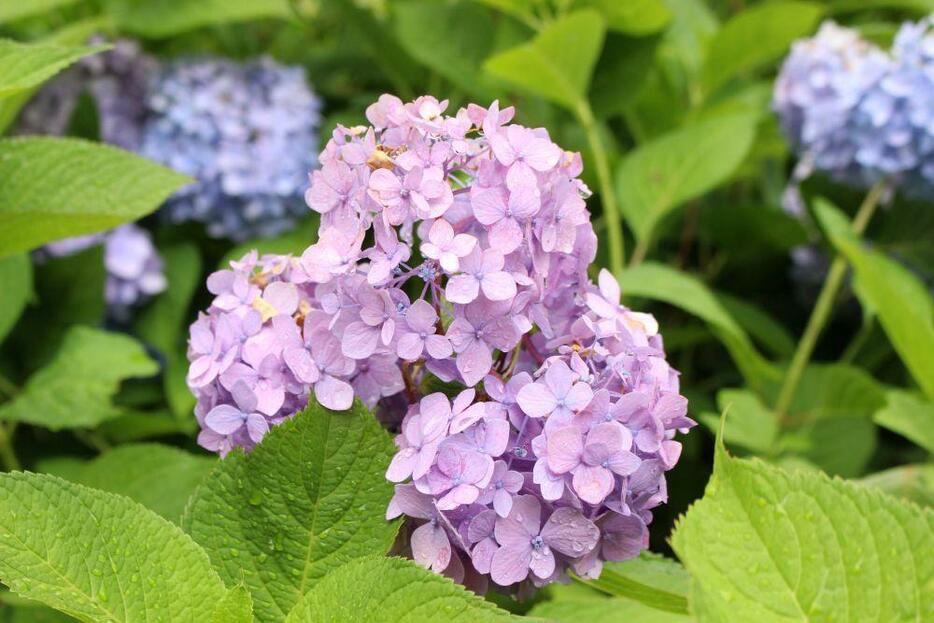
(243, 396)
(412, 503)
(624, 463)
(384, 181)
(647, 441)
(609, 287)
(623, 537)
(333, 393)
(434, 408)
(283, 296)
(542, 563)
(482, 555)
(497, 286)
(467, 418)
(425, 459)
(541, 154)
(670, 452)
(489, 206)
(510, 565)
(550, 484)
(607, 438)
(431, 250)
(421, 316)
(592, 483)
(256, 427)
(301, 364)
(458, 496)
(536, 400)
(568, 532)
(601, 307)
(400, 468)
(269, 398)
(524, 202)
(449, 262)
(564, 449)
(502, 149)
(431, 547)
(463, 244)
(559, 378)
(502, 502)
(224, 419)
(506, 235)
(359, 340)
(578, 397)
(410, 347)
(497, 437)
(441, 233)
(438, 346)
(387, 332)
(463, 289)
(474, 362)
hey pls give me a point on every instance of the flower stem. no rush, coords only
(614, 225)
(823, 307)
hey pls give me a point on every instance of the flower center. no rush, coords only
(538, 543)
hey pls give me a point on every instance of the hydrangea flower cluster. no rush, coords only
(133, 264)
(859, 113)
(453, 250)
(247, 133)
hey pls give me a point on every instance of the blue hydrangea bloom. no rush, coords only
(246, 133)
(861, 114)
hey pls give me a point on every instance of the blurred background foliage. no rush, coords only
(668, 101)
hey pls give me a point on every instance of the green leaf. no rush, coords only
(749, 423)
(760, 325)
(654, 581)
(309, 498)
(756, 37)
(764, 544)
(391, 590)
(12, 11)
(610, 610)
(558, 63)
(16, 285)
(621, 73)
(658, 176)
(75, 389)
(633, 17)
(23, 66)
(909, 416)
(164, 18)
(659, 282)
(235, 607)
(451, 39)
(904, 306)
(912, 482)
(161, 478)
(56, 188)
(99, 556)
(161, 323)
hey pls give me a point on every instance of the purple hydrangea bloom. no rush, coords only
(859, 113)
(132, 262)
(551, 454)
(246, 133)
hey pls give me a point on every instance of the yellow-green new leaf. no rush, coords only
(558, 63)
(100, 557)
(769, 545)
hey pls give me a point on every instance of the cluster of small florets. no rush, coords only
(133, 264)
(858, 113)
(453, 251)
(246, 133)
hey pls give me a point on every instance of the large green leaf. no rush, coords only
(55, 188)
(16, 285)
(392, 590)
(236, 607)
(10, 11)
(662, 174)
(903, 304)
(658, 583)
(99, 556)
(633, 17)
(75, 389)
(161, 478)
(910, 416)
(23, 66)
(760, 325)
(659, 282)
(309, 498)
(749, 423)
(165, 18)
(452, 39)
(558, 63)
(764, 544)
(756, 37)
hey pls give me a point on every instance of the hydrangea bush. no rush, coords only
(454, 249)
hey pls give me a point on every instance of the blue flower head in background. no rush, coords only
(858, 113)
(246, 133)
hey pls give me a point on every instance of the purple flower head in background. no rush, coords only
(453, 254)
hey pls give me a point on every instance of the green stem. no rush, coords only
(641, 250)
(614, 225)
(7, 453)
(822, 308)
